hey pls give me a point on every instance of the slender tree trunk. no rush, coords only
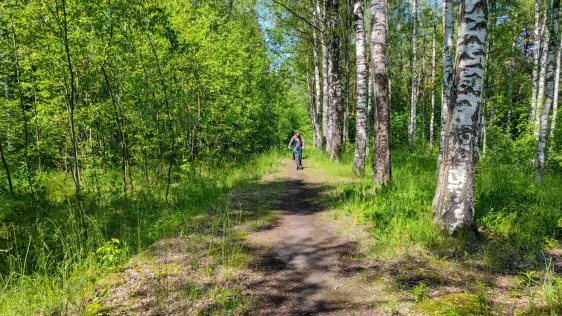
(382, 174)
(510, 90)
(311, 105)
(5, 164)
(23, 111)
(361, 137)
(325, 71)
(169, 114)
(448, 13)
(454, 199)
(414, 89)
(555, 98)
(550, 89)
(536, 56)
(335, 90)
(482, 132)
(71, 99)
(433, 61)
(317, 127)
(542, 83)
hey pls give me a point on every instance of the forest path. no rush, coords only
(306, 267)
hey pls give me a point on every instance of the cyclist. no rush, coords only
(299, 145)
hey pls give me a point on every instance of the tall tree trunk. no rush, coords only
(555, 98)
(454, 198)
(536, 56)
(361, 137)
(317, 127)
(5, 164)
(550, 83)
(381, 153)
(542, 83)
(414, 96)
(311, 106)
(448, 13)
(325, 73)
(335, 90)
(433, 61)
(510, 90)
(482, 131)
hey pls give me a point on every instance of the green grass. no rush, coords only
(57, 251)
(520, 220)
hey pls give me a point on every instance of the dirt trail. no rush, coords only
(305, 264)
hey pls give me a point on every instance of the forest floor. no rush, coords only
(283, 251)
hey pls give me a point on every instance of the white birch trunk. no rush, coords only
(414, 96)
(510, 90)
(550, 83)
(536, 56)
(325, 95)
(335, 139)
(361, 137)
(454, 199)
(317, 127)
(555, 99)
(542, 82)
(379, 72)
(448, 13)
(433, 60)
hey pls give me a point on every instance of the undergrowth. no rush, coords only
(53, 253)
(519, 220)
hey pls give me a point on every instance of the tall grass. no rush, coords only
(519, 220)
(53, 261)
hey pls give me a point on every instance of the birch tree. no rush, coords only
(317, 127)
(414, 88)
(556, 93)
(335, 107)
(542, 83)
(549, 89)
(536, 56)
(361, 137)
(433, 61)
(453, 203)
(447, 60)
(325, 77)
(381, 153)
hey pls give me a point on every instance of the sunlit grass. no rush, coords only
(52, 265)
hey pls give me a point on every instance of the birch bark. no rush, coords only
(555, 98)
(414, 96)
(536, 56)
(542, 83)
(381, 154)
(454, 199)
(448, 12)
(433, 60)
(325, 83)
(334, 82)
(317, 127)
(361, 137)
(549, 89)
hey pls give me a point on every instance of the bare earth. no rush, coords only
(305, 263)
(288, 255)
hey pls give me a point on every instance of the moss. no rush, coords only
(452, 304)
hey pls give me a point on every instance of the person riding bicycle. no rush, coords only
(299, 144)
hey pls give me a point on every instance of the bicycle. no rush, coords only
(297, 157)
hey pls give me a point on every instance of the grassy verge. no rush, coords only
(519, 223)
(56, 257)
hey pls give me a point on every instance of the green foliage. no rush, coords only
(52, 265)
